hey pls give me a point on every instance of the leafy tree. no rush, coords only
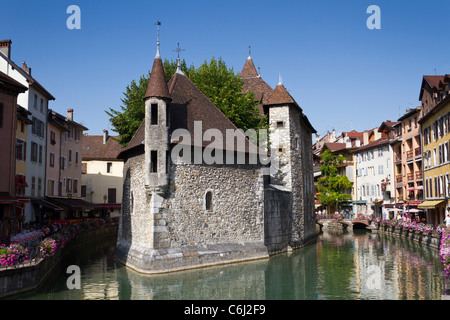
(220, 84)
(331, 184)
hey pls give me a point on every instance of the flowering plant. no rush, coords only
(440, 229)
(384, 184)
(428, 228)
(444, 251)
(12, 255)
(48, 247)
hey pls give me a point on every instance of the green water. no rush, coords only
(345, 266)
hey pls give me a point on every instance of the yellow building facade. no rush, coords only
(435, 134)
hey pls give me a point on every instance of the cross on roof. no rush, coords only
(178, 50)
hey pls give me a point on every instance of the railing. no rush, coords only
(419, 175)
(399, 178)
(34, 254)
(398, 158)
(410, 176)
(409, 154)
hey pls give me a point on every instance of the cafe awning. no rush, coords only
(430, 204)
(71, 203)
(46, 204)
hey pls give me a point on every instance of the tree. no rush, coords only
(330, 184)
(220, 84)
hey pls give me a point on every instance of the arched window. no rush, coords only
(208, 201)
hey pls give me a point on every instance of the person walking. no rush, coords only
(447, 220)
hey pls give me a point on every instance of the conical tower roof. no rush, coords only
(157, 85)
(249, 70)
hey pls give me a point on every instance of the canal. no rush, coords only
(356, 265)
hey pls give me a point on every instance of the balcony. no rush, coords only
(409, 154)
(410, 176)
(399, 178)
(398, 158)
(419, 175)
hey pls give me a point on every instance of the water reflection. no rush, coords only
(345, 265)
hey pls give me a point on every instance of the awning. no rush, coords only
(431, 204)
(45, 204)
(72, 203)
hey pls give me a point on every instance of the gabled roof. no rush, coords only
(432, 82)
(94, 149)
(373, 144)
(9, 83)
(281, 96)
(387, 124)
(29, 78)
(62, 121)
(334, 146)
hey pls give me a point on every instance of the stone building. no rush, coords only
(193, 197)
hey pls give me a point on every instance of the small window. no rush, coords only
(154, 114)
(280, 124)
(154, 161)
(208, 201)
(108, 167)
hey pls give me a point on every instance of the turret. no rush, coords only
(157, 100)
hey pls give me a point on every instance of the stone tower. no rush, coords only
(291, 141)
(157, 99)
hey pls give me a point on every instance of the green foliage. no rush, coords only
(331, 184)
(220, 84)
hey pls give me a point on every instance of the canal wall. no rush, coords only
(432, 240)
(30, 275)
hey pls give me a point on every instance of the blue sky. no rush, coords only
(344, 75)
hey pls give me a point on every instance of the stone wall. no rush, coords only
(236, 214)
(277, 218)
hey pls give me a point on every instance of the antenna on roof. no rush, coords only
(158, 55)
(434, 71)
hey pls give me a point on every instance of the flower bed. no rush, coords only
(15, 253)
(12, 255)
(444, 250)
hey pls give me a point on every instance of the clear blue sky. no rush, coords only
(342, 74)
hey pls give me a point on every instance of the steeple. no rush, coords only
(158, 54)
(249, 70)
(157, 85)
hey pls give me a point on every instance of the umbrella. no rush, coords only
(414, 210)
(394, 209)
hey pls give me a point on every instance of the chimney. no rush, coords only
(357, 143)
(70, 114)
(25, 68)
(5, 48)
(105, 136)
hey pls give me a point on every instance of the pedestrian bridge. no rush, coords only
(345, 223)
